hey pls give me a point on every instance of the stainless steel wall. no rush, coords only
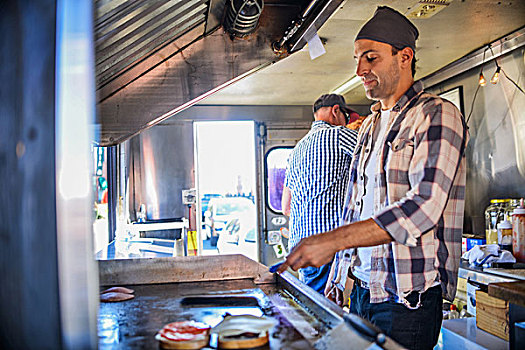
(496, 151)
(160, 163)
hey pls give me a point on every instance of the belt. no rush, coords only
(357, 281)
(361, 283)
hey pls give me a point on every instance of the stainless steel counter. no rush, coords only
(491, 273)
(463, 334)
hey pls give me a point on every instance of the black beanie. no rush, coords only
(390, 27)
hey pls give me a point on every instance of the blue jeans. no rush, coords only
(315, 277)
(414, 329)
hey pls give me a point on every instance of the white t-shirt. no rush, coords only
(361, 269)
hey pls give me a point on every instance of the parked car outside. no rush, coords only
(205, 201)
(239, 237)
(222, 210)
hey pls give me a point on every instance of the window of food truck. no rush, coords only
(226, 186)
(276, 160)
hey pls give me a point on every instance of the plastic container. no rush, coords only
(518, 232)
(494, 214)
(505, 235)
(468, 242)
(464, 313)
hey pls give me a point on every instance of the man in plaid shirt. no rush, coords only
(403, 215)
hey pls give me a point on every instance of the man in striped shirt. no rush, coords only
(317, 177)
(403, 216)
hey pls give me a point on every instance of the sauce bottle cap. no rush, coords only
(505, 224)
(519, 210)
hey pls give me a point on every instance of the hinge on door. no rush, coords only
(262, 130)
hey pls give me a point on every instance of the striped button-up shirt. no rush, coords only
(317, 176)
(419, 197)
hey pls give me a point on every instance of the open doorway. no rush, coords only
(226, 181)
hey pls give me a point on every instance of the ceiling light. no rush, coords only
(482, 81)
(350, 84)
(427, 8)
(495, 77)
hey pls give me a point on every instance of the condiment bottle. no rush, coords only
(464, 312)
(505, 235)
(494, 214)
(518, 232)
(512, 204)
(453, 312)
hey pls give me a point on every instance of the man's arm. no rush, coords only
(319, 249)
(286, 200)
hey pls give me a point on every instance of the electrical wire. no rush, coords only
(503, 71)
(481, 80)
(492, 52)
(479, 85)
(513, 82)
(472, 106)
(481, 72)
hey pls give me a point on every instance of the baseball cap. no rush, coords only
(329, 100)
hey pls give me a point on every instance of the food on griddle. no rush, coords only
(118, 290)
(115, 297)
(184, 335)
(243, 331)
(115, 294)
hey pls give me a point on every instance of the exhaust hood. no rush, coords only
(156, 58)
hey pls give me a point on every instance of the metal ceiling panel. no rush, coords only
(130, 32)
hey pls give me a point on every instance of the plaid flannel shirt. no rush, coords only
(418, 199)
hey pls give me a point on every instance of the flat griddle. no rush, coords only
(205, 289)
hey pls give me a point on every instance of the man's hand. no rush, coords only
(319, 249)
(333, 293)
(315, 251)
(286, 200)
(330, 290)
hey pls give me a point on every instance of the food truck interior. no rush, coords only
(144, 142)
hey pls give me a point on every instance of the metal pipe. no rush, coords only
(112, 191)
